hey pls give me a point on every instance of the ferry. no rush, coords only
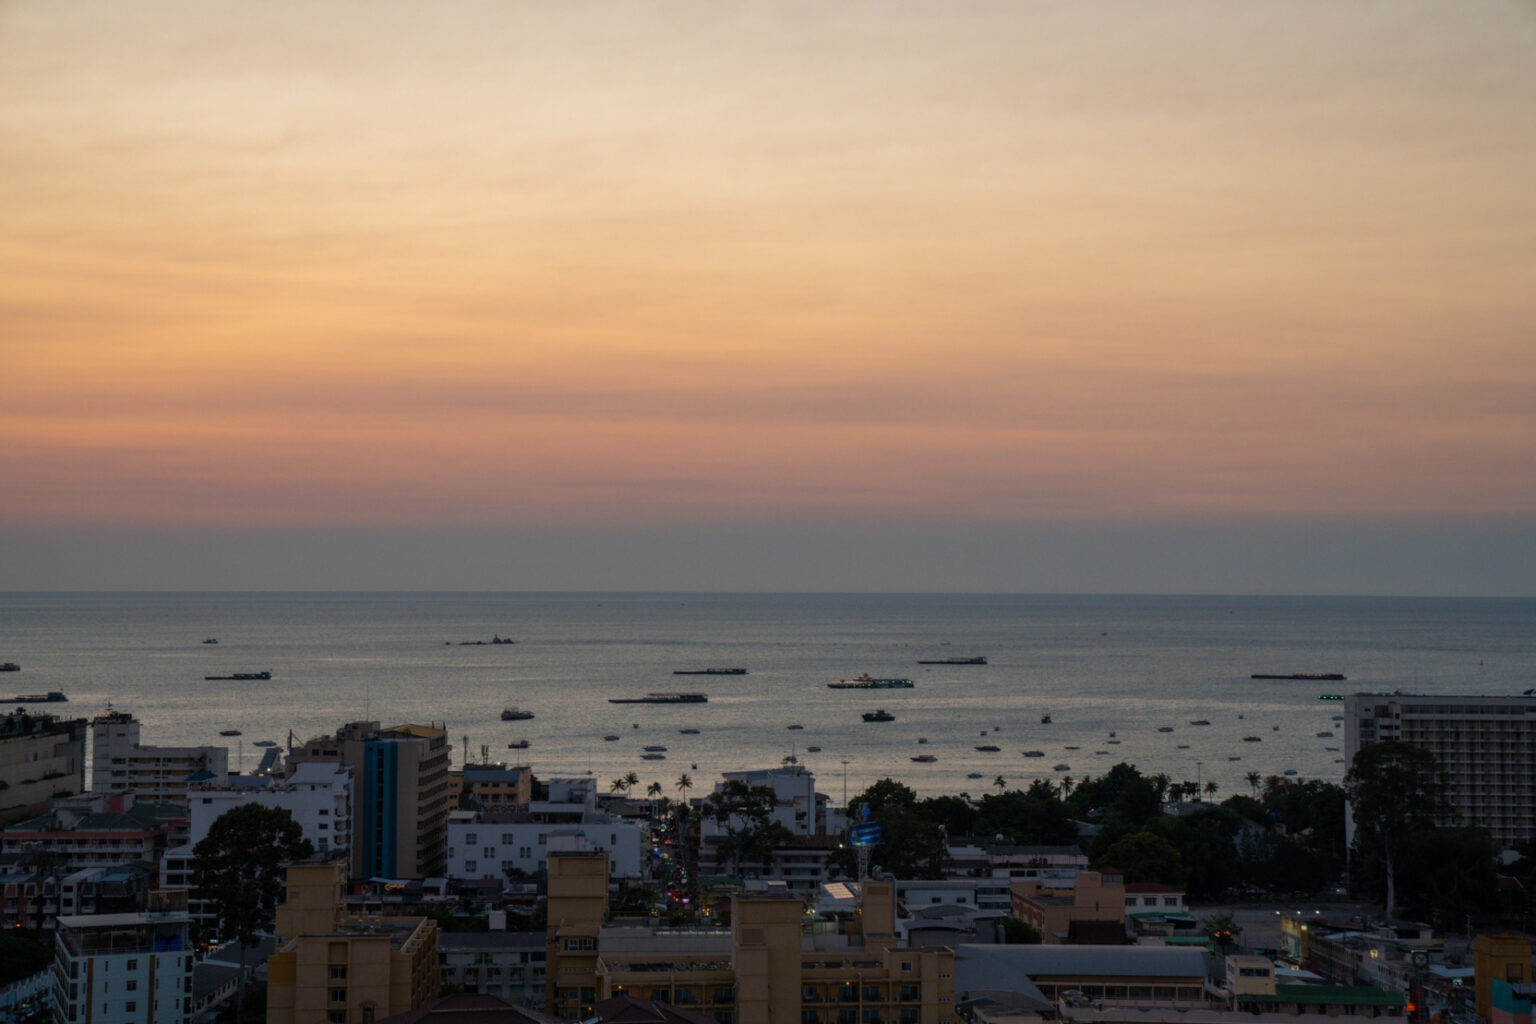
(866, 682)
(661, 698)
(518, 745)
(879, 716)
(10, 666)
(515, 714)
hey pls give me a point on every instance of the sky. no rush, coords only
(1034, 297)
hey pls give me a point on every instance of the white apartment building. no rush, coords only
(120, 763)
(485, 844)
(1485, 745)
(123, 968)
(318, 794)
(797, 805)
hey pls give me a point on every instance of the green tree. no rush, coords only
(1019, 933)
(1395, 789)
(745, 815)
(1146, 857)
(912, 844)
(1253, 779)
(653, 790)
(238, 867)
(22, 954)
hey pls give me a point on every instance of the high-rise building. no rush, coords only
(1485, 745)
(401, 795)
(124, 968)
(41, 756)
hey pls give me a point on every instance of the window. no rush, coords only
(338, 995)
(810, 994)
(339, 973)
(336, 1016)
(133, 985)
(131, 1007)
(471, 865)
(872, 994)
(1170, 901)
(580, 944)
(471, 838)
(906, 966)
(133, 965)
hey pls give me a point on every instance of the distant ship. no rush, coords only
(515, 714)
(243, 676)
(1327, 676)
(924, 758)
(879, 716)
(661, 698)
(954, 661)
(709, 671)
(10, 666)
(866, 682)
(51, 697)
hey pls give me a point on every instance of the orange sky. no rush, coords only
(595, 263)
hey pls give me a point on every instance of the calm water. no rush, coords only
(1095, 664)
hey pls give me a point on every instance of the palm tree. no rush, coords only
(617, 786)
(631, 781)
(684, 784)
(1211, 788)
(1253, 779)
(1001, 783)
(1066, 785)
(653, 790)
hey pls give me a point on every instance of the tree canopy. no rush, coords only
(1395, 789)
(238, 867)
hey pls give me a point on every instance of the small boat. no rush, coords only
(246, 676)
(653, 757)
(973, 775)
(922, 739)
(515, 714)
(954, 661)
(1034, 753)
(1275, 727)
(263, 743)
(1316, 676)
(688, 732)
(1290, 771)
(1101, 752)
(881, 715)
(796, 726)
(924, 758)
(229, 732)
(1332, 750)
(709, 671)
(1253, 739)
(789, 759)
(1198, 721)
(1045, 719)
(1234, 757)
(654, 748)
(1325, 735)
(1071, 748)
(1165, 728)
(609, 738)
(1114, 743)
(987, 748)
(1183, 746)
(518, 745)
(1061, 768)
(813, 750)
(211, 640)
(1111, 734)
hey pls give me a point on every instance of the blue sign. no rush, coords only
(865, 834)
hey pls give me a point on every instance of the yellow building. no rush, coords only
(492, 785)
(1501, 957)
(340, 969)
(1051, 906)
(766, 968)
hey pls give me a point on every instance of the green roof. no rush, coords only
(1187, 940)
(1330, 995)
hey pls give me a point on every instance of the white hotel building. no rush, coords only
(1485, 745)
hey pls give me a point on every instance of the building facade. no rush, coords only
(401, 794)
(41, 756)
(124, 968)
(120, 763)
(1485, 745)
(340, 969)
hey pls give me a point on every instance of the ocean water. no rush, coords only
(1130, 665)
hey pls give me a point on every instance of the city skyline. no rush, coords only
(1047, 297)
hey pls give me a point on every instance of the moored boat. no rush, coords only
(51, 697)
(881, 715)
(514, 713)
(709, 671)
(867, 682)
(661, 698)
(243, 676)
(953, 661)
(924, 758)
(989, 748)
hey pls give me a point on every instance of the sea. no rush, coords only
(1088, 681)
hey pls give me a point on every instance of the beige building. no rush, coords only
(401, 795)
(768, 967)
(340, 969)
(492, 785)
(40, 757)
(1051, 906)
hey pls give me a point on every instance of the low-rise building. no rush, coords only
(1052, 905)
(488, 786)
(1141, 977)
(98, 830)
(497, 963)
(488, 844)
